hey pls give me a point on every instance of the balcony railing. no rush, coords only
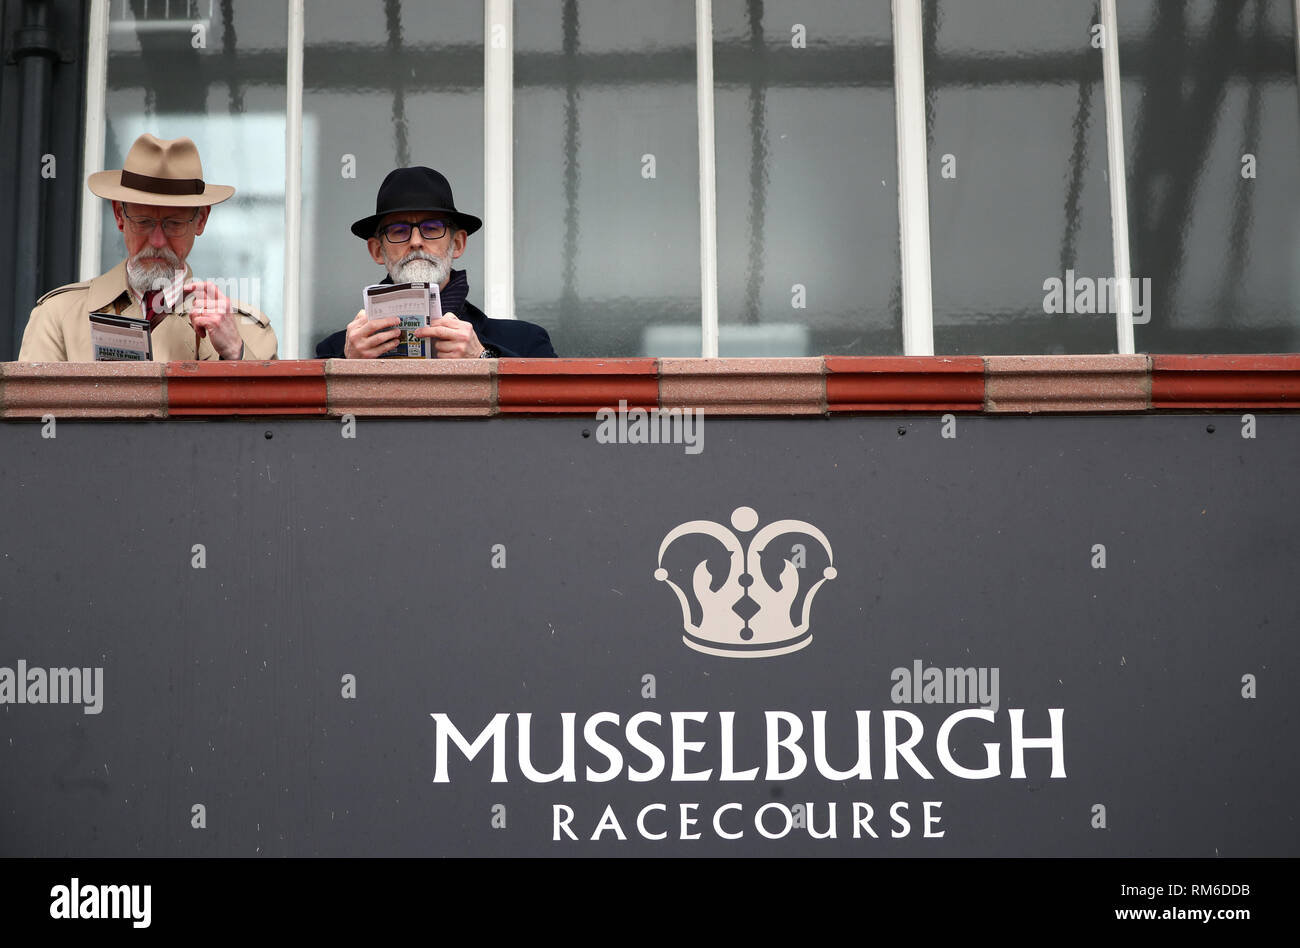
(820, 386)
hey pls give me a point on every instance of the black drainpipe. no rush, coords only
(34, 47)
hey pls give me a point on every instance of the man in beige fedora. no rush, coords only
(161, 203)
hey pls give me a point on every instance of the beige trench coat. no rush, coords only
(58, 329)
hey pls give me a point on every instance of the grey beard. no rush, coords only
(144, 277)
(423, 268)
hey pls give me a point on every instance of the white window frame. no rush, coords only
(1117, 177)
(92, 158)
(294, 46)
(913, 179)
(499, 156)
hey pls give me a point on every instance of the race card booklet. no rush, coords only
(117, 338)
(415, 304)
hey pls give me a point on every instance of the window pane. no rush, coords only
(214, 72)
(1019, 202)
(399, 86)
(807, 178)
(607, 249)
(1212, 136)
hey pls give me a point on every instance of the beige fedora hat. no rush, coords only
(160, 171)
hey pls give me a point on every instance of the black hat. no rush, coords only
(414, 189)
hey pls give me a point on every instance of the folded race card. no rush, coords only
(415, 304)
(117, 338)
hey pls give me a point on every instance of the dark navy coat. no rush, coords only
(512, 338)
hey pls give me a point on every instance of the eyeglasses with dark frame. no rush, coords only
(399, 232)
(172, 226)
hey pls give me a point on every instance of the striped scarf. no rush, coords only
(455, 293)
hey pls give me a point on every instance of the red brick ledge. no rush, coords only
(1238, 381)
(783, 387)
(575, 386)
(904, 383)
(246, 388)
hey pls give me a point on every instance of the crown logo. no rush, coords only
(746, 617)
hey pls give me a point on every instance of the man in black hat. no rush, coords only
(415, 234)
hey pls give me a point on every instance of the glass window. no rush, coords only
(1019, 201)
(607, 247)
(386, 85)
(1212, 136)
(606, 227)
(807, 179)
(213, 72)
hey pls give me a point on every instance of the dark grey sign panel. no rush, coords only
(1040, 637)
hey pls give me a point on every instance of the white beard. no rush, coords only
(156, 274)
(422, 267)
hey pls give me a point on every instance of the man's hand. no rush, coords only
(456, 338)
(213, 315)
(370, 338)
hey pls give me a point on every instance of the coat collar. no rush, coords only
(107, 287)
